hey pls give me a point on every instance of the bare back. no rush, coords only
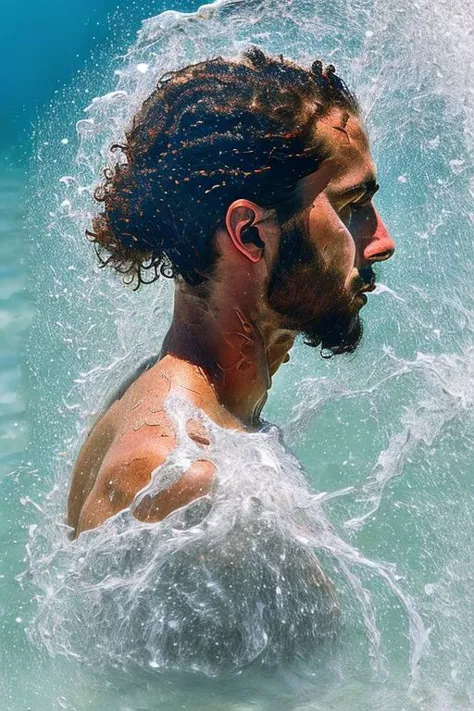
(134, 437)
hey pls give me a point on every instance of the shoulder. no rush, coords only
(88, 464)
(127, 469)
(130, 461)
(143, 438)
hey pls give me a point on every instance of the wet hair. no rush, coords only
(209, 134)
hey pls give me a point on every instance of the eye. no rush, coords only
(357, 206)
(346, 213)
(351, 207)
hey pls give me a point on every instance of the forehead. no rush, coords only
(346, 141)
(348, 161)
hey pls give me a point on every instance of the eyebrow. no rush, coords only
(367, 187)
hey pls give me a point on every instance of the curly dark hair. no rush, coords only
(209, 134)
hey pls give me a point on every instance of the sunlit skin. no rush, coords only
(222, 349)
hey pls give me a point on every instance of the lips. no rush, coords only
(363, 290)
(368, 287)
(366, 279)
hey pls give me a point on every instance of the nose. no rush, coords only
(379, 246)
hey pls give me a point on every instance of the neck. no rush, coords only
(238, 345)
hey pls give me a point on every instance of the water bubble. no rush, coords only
(457, 165)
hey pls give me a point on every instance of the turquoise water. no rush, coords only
(388, 431)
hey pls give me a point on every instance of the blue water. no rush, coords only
(392, 426)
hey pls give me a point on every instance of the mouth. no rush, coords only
(367, 287)
(362, 291)
(366, 280)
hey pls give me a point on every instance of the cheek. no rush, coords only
(332, 239)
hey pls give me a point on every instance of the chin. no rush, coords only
(336, 334)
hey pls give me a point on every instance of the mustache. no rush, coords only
(366, 277)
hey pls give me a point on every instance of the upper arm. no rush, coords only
(86, 468)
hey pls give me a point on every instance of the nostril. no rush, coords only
(381, 256)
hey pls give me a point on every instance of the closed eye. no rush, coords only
(356, 206)
(366, 199)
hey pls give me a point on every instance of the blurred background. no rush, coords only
(44, 46)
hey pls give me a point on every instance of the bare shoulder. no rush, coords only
(143, 441)
(88, 464)
(121, 426)
(113, 467)
(127, 469)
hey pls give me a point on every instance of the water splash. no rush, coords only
(385, 420)
(448, 382)
(243, 574)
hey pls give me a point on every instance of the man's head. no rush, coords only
(274, 156)
(327, 250)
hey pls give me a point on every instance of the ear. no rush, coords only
(242, 214)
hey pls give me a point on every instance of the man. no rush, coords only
(251, 183)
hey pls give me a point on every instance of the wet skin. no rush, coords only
(223, 348)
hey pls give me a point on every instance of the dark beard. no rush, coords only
(312, 300)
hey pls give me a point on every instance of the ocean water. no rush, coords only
(145, 617)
